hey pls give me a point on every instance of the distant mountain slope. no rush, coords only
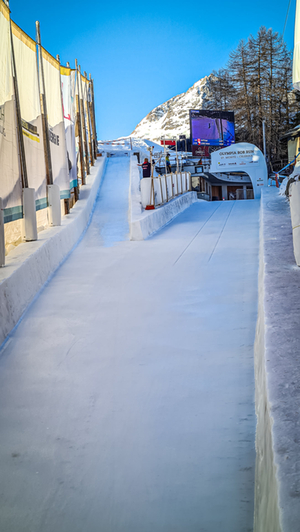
(172, 117)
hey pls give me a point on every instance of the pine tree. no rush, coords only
(257, 85)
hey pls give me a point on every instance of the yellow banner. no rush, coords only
(22, 36)
(65, 71)
(48, 57)
(32, 137)
(4, 10)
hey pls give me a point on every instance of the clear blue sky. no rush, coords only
(141, 54)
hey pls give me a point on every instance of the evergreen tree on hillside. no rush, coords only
(257, 85)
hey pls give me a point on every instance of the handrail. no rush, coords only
(289, 164)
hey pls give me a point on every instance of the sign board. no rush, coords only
(200, 151)
(242, 157)
(211, 128)
(168, 142)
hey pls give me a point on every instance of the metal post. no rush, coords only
(264, 138)
(165, 155)
(79, 127)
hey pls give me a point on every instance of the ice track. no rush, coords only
(127, 391)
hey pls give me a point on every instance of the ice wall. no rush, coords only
(277, 372)
(29, 265)
(266, 511)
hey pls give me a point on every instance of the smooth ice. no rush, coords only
(127, 391)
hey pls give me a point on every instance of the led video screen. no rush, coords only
(212, 128)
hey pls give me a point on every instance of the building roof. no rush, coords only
(214, 180)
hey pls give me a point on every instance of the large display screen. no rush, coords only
(212, 128)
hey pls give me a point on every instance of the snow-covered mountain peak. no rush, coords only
(171, 118)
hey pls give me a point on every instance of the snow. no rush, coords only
(127, 145)
(171, 118)
(127, 389)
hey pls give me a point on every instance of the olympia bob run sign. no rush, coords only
(242, 157)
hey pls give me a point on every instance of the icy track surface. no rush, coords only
(127, 391)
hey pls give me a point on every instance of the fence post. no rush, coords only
(29, 215)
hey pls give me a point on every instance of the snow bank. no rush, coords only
(30, 264)
(277, 373)
(145, 223)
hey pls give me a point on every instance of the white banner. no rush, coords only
(26, 67)
(85, 124)
(10, 174)
(68, 94)
(296, 56)
(60, 167)
(86, 99)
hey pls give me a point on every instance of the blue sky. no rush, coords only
(141, 54)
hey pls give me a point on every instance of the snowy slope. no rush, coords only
(127, 144)
(172, 117)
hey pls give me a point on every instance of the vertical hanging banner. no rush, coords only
(26, 67)
(58, 149)
(68, 95)
(78, 131)
(84, 121)
(10, 172)
(85, 87)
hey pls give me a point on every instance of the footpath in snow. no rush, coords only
(127, 391)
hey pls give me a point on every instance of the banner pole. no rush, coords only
(89, 120)
(29, 223)
(18, 114)
(41, 79)
(87, 163)
(79, 126)
(76, 189)
(94, 116)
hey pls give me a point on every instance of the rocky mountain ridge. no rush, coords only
(171, 118)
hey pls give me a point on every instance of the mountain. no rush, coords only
(171, 118)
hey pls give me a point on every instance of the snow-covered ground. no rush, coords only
(127, 391)
(127, 145)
